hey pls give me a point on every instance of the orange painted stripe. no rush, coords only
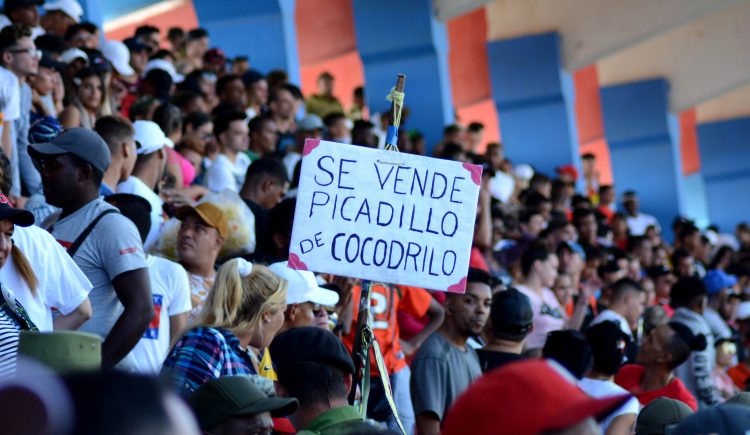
(588, 106)
(467, 57)
(691, 159)
(183, 16)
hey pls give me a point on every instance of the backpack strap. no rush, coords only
(82, 237)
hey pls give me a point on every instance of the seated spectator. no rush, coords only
(663, 280)
(262, 131)
(688, 298)
(229, 168)
(664, 349)
(626, 306)
(337, 128)
(528, 406)
(170, 292)
(314, 367)
(264, 187)
(445, 365)
(306, 302)
(324, 102)
(119, 135)
(539, 268)
(104, 244)
(661, 416)
(570, 349)
(235, 405)
(511, 319)
(608, 345)
(726, 351)
(637, 221)
(244, 310)
(729, 418)
(149, 168)
(720, 286)
(202, 232)
(88, 101)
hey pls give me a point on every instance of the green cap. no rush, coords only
(221, 399)
(741, 398)
(660, 415)
(63, 351)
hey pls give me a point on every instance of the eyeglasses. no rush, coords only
(33, 52)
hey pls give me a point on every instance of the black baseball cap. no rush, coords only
(20, 217)
(685, 290)
(11, 5)
(84, 143)
(511, 313)
(310, 344)
(654, 272)
(230, 396)
(48, 62)
(135, 44)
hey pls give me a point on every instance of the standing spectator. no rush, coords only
(688, 298)
(119, 135)
(590, 174)
(511, 319)
(169, 288)
(608, 345)
(637, 222)
(264, 187)
(314, 367)
(20, 56)
(445, 365)
(148, 170)
(196, 46)
(104, 244)
(306, 302)
(87, 102)
(228, 170)
(202, 232)
(539, 268)
(628, 299)
(324, 103)
(664, 349)
(244, 310)
(388, 302)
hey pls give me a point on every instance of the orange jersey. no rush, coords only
(386, 301)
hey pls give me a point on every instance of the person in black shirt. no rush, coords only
(511, 319)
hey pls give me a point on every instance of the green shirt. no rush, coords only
(334, 421)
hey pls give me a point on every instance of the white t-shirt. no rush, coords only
(62, 285)
(612, 316)
(637, 225)
(290, 161)
(171, 293)
(548, 316)
(10, 96)
(223, 174)
(135, 186)
(598, 389)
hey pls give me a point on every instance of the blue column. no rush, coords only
(396, 36)
(724, 150)
(264, 30)
(535, 101)
(644, 142)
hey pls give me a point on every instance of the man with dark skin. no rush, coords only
(111, 256)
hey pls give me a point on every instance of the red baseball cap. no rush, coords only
(526, 397)
(569, 170)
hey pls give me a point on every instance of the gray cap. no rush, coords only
(722, 419)
(661, 416)
(310, 122)
(84, 143)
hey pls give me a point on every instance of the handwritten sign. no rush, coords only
(384, 216)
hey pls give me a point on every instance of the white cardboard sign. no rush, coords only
(384, 216)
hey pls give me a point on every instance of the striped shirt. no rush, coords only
(204, 354)
(13, 318)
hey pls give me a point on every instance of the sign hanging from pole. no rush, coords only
(384, 216)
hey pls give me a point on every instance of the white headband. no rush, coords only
(244, 267)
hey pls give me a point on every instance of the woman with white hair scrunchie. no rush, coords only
(244, 309)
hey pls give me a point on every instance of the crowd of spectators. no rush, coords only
(147, 198)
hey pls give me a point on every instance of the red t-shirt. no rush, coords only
(629, 378)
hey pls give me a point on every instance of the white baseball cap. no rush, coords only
(71, 8)
(164, 65)
(149, 137)
(303, 287)
(743, 310)
(72, 54)
(117, 53)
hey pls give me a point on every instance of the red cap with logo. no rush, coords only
(525, 397)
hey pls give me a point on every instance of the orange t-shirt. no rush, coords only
(386, 301)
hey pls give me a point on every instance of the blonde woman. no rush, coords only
(244, 310)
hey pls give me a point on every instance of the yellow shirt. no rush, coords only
(265, 367)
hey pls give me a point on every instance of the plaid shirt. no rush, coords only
(203, 354)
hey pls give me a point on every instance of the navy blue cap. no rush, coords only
(135, 44)
(723, 419)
